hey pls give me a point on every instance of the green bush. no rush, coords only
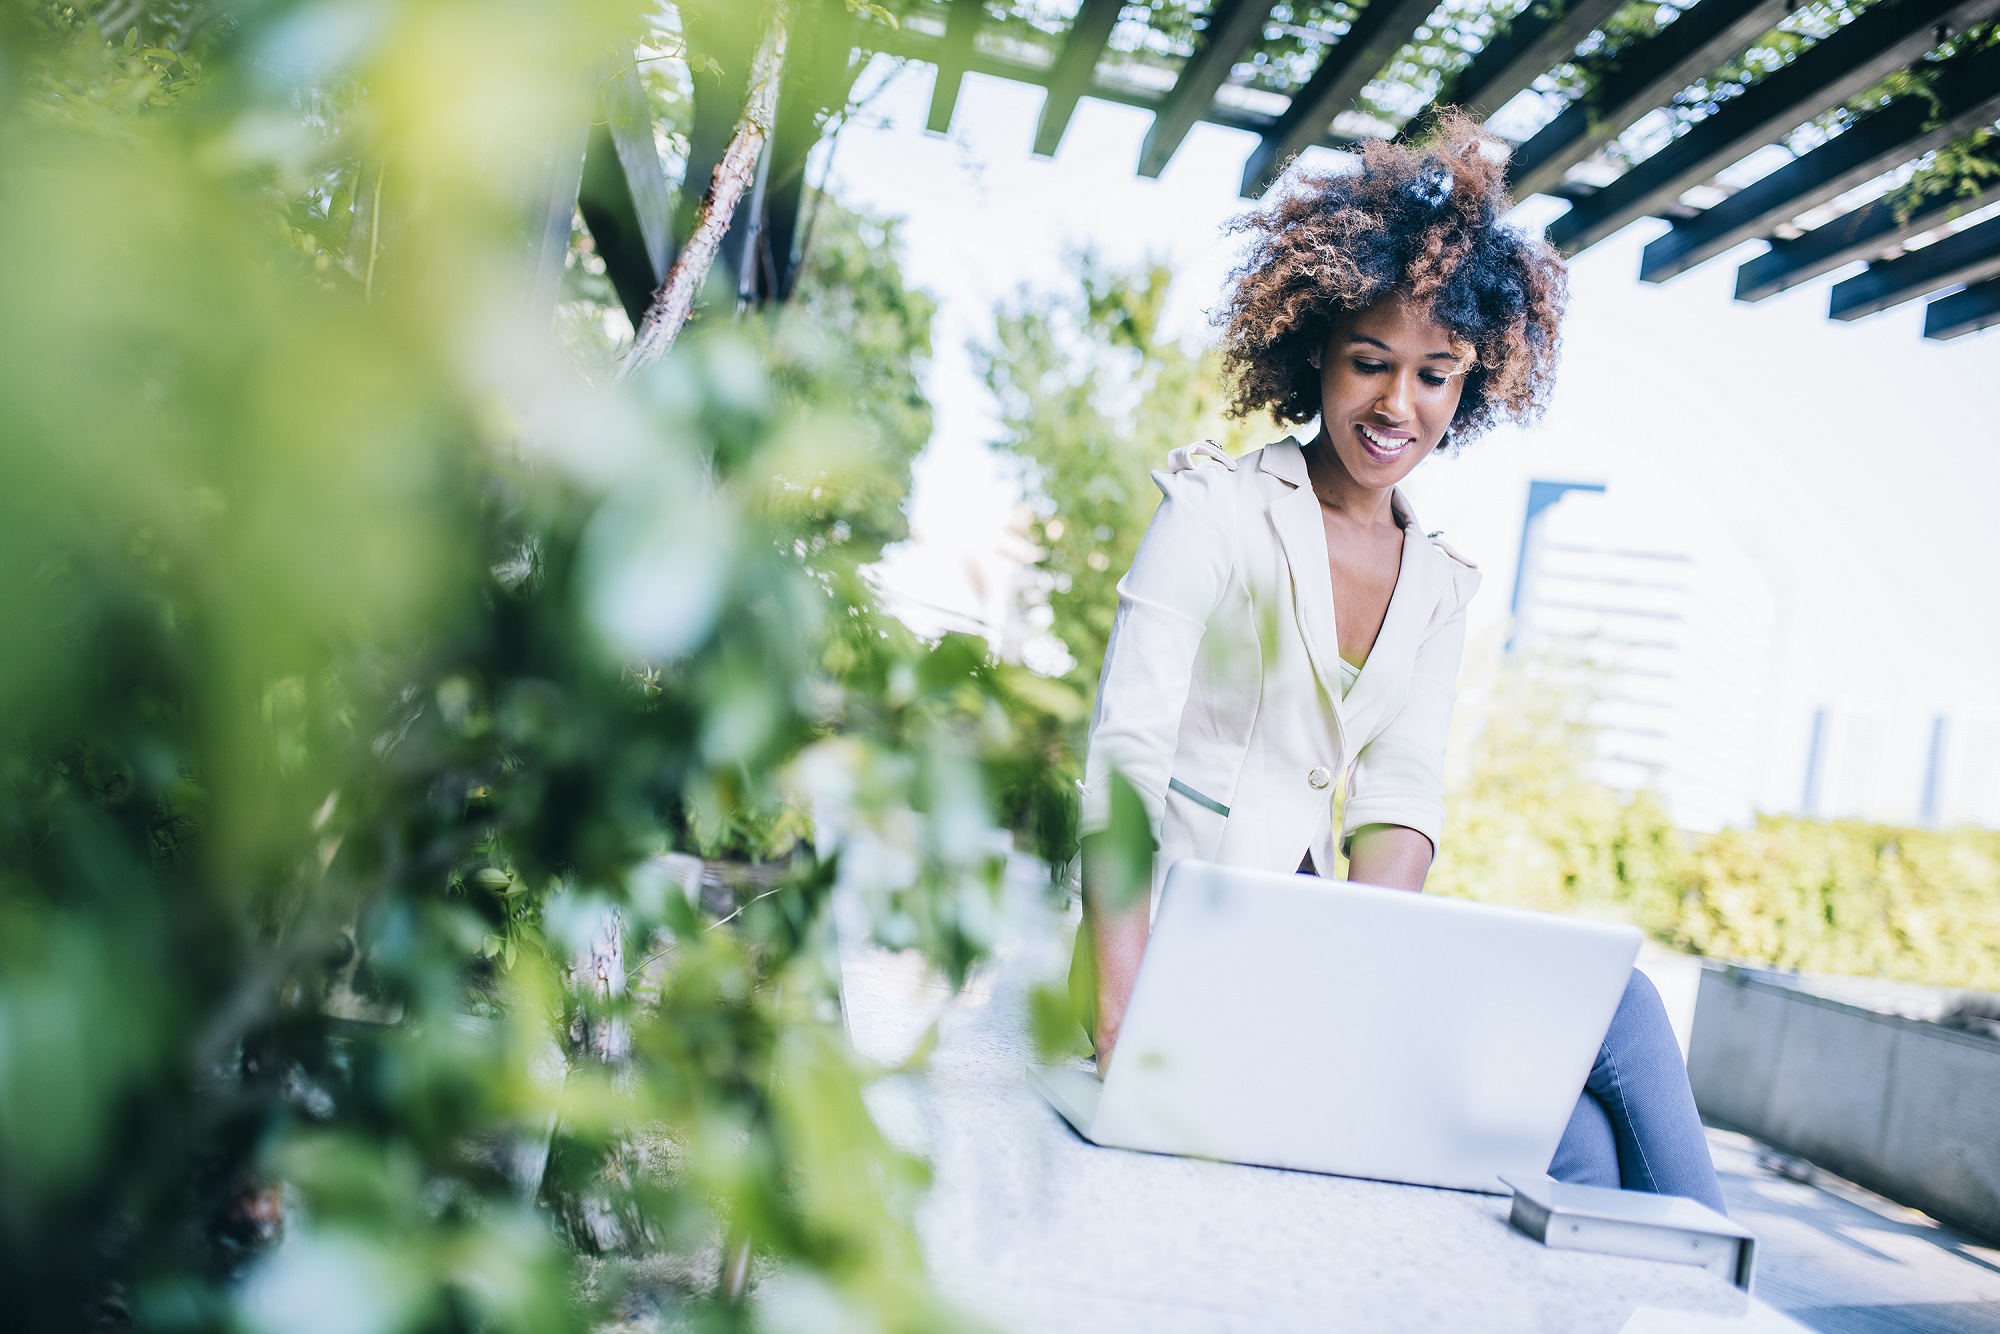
(1092, 398)
(1916, 905)
(374, 681)
(1529, 826)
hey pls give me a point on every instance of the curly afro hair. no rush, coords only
(1421, 222)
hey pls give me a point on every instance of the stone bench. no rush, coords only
(1031, 1228)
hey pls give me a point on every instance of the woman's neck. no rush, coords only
(1338, 491)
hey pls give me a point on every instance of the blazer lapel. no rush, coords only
(1302, 535)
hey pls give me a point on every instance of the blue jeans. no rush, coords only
(1635, 1125)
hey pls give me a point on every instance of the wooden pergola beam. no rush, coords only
(1961, 313)
(818, 79)
(1971, 256)
(605, 201)
(630, 121)
(922, 46)
(1862, 233)
(1645, 76)
(961, 26)
(1075, 71)
(1347, 68)
(1538, 39)
(1232, 30)
(624, 195)
(1882, 40)
(1964, 95)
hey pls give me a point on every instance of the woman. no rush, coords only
(1287, 620)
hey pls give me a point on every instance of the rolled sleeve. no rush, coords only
(1164, 603)
(1398, 777)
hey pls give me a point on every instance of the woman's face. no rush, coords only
(1389, 387)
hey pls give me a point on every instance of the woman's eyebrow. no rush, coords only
(1376, 342)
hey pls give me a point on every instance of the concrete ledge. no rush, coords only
(1030, 1228)
(1906, 1108)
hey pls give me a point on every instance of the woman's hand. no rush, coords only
(1117, 914)
(1390, 856)
(1118, 942)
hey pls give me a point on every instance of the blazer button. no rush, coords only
(1320, 776)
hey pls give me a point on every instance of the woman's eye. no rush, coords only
(1432, 379)
(1368, 367)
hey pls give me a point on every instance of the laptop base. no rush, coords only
(1072, 1092)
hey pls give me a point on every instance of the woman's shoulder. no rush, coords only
(1200, 454)
(1201, 483)
(1460, 570)
(1451, 552)
(1197, 475)
(1207, 467)
(1463, 572)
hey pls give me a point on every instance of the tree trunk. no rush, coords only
(597, 978)
(674, 302)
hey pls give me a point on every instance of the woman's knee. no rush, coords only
(1640, 1045)
(1641, 999)
(1588, 1152)
(1641, 1017)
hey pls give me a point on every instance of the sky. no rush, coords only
(1857, 464)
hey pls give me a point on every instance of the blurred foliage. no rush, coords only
(377, 681)
(852, 308)
(1529, 826)
(1968, 166)
(851, 287)
(1426, 66)
(1804, 25)
(1118, 863)
(1917, 905)
(1964, 169)
(1092, 396)
(1958, 168)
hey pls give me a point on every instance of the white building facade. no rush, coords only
(1668, 625)
(1903, 766)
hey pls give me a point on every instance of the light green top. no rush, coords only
(1349, 674)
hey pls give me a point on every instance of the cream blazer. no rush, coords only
(1220, 696)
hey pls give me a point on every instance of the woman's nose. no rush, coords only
(1399, 399)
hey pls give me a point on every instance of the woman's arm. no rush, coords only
(1117, 942)
(1164, 602)
(1389, 855)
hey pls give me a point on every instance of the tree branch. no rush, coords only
(673, 304)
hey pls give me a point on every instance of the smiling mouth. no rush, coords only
(1383, 448)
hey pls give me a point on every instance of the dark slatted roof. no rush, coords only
(1861, 49)
(1625, 108)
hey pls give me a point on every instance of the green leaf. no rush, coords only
(1055, 1024)
(1118, 860)
(875, 11)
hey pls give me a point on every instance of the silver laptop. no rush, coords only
(1288, 1021)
